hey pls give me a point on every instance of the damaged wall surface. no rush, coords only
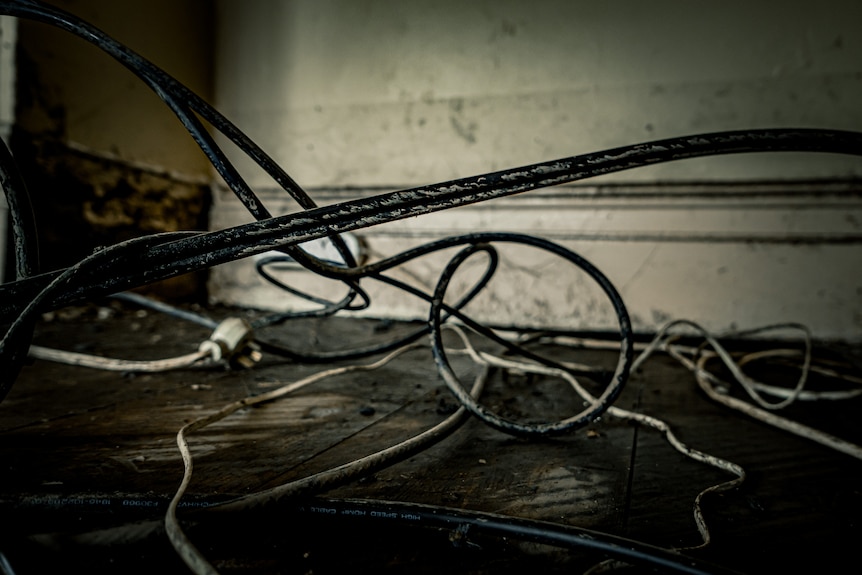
(103, 157)
(353, 98)
(356, 98)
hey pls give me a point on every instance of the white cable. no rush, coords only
(706, 382)
(96, 362)
(189, 553)
(231, 340)
(657, 424)
(804, 395)
(748, 384)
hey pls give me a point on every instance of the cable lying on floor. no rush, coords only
(196, 251)
(144, 260)
(347, 472)
(564, 536)
(710, 384)
(665, 343)
(126, 365)
(230, 343)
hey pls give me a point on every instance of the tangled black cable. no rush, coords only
(141, 262)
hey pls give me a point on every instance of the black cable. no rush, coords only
(368, 515)
(371, 512)
(18, 333)
(26, 254)
(614, 385)
(222, 246)
(21, 215)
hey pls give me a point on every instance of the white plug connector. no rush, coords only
(233, 341)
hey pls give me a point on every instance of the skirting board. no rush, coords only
(730, 256)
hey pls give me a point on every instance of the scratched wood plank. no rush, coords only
(798, 494)
(103, 445)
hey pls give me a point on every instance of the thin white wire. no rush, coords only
(804, 395)
(707, 383)
(319, 481)
(747, 383)
(655, 423)
(181, 543)
(111, 364)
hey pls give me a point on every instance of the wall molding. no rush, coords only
(730, 255)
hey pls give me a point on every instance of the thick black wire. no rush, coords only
(217, 247)
(614, 385)
(19, 330)
(185, 104)
(369, 514)
(21, 215)
(25, 241)
(468, 522)
(375, 271)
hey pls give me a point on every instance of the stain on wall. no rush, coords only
(103, 158)
(83, 201)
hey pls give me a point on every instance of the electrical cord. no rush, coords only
(16, 330)
(125, 365)
(312, 484)
(662, 427)
(167, 309)
(462, 524)
(466, 523)
(119, 268)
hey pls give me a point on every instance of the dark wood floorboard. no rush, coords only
(85, 450)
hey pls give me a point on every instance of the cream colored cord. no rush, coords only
(315, 483)
(96, 362)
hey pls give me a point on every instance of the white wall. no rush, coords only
(382, 94)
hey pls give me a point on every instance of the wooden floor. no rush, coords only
(86, 453)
